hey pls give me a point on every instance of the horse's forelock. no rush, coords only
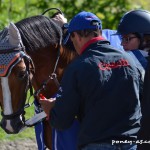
(39, 32)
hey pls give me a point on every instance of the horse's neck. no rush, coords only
(67, 56)
(45, 61)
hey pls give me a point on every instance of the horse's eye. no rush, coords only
(22, 75)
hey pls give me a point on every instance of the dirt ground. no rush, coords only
(27, 144)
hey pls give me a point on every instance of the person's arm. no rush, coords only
(67, 102)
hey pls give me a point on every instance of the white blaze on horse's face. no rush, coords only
(6, 96)
(12, 41)
(7, 105)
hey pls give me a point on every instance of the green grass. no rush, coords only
(27, 133)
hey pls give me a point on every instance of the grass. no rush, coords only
(27, 133)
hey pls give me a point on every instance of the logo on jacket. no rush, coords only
(113, 65)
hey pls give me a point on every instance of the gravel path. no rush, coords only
(26, 144)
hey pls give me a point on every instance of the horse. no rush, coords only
(16, 72)
(42, 39)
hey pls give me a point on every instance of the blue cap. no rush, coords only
(82, 21)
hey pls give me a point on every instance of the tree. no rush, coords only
(108, 11)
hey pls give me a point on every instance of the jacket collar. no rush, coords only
(93, 40)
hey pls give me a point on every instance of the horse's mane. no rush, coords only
(39, 32)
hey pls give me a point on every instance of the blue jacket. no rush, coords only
(101, 87)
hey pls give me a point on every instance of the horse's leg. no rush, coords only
(47, 135)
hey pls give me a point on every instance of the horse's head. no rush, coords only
(15, 77)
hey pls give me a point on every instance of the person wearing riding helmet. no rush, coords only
(133, 33)
(135, 27)
(130, 41)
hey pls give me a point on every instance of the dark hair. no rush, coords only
(88, 32)
(144, 40)
(39, 31)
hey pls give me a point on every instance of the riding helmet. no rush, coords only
(135, 21)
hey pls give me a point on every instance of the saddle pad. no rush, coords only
(7, 62)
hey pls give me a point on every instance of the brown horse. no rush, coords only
(16, 70)
(42, 38)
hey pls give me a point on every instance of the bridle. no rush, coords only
(52, 76)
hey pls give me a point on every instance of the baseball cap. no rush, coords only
(82, 21)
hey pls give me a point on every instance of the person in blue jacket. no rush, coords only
(137, 23)
(100, 87)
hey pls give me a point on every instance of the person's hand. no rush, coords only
(47, 105)
(60, 19)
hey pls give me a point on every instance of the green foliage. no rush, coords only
(109, 11)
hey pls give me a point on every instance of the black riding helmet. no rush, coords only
(135, 21)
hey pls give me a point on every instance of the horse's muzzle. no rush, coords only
(12, 126)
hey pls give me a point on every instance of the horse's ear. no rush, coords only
(14, 35)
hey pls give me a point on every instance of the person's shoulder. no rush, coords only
(113, 49)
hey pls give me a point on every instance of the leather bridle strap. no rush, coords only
(14, 115)
(53, 76)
